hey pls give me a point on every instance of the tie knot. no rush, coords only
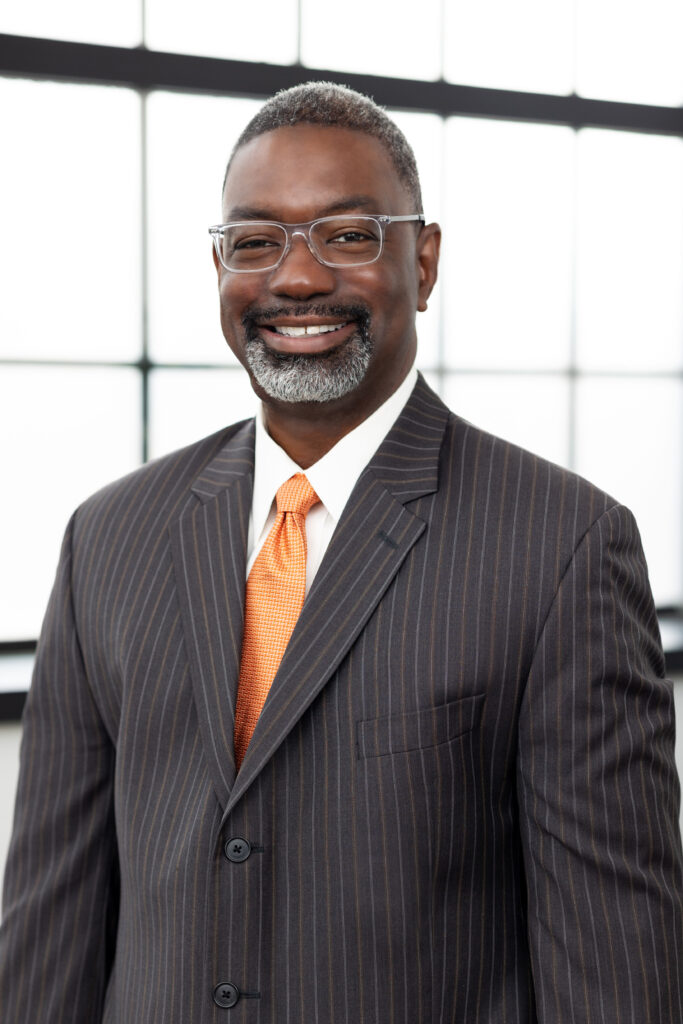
(296, 495)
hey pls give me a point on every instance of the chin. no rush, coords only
(301, 378)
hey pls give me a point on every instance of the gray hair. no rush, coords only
(335, 106)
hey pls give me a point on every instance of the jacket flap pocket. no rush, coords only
(415, 730)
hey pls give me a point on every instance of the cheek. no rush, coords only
(385, 288)
(235, 294)
(397, 297)
(232, 302)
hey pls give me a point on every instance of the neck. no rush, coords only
(307, 431)
(306, 438)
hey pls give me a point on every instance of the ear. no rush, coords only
(216, 261)
(427, 255)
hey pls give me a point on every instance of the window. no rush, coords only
(558, 319)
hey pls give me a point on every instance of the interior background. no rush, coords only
(550, 145)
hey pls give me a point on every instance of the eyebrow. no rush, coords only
(344, 205)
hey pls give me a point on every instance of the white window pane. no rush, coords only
(531, 411)
(527, 45)
(630, 442)
(82, 21)
(186, 405)
(434, 382)
(507, 247)
(630, 50)
(425, 133)
(189, 141)
(630, 251)
(70, 211)
(372, 38)
(266, 31)
(67, 432)
(15, 673)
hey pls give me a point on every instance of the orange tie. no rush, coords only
(274, 597)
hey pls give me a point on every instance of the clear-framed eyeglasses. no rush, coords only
(340, 241)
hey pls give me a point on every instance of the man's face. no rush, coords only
(297, 174)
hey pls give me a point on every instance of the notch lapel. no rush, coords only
(209, 543)
(373, 538)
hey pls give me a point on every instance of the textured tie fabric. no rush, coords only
(274, 597)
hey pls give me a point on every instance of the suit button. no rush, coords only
(225, 995)
(237, 850)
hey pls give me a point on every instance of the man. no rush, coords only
(441, 787)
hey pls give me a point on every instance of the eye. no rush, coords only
(252, 245)
(256, 242)
(351, 235)
(252, 238)
(357, 235)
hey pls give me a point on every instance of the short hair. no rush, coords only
(335, 106)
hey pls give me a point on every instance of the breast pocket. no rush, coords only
(417, 730)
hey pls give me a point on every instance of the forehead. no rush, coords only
(297, 173)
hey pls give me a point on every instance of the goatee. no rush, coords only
(298, 377)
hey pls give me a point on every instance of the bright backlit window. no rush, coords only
(508, 248)
(557, 321)
(401, 41)
(630, 50)
(630, 442)
(188, 404)
(66, 432)
(189, 140)
(526, 45)
(113, 24)
(70, 208)
(264, 31)
(630, 256)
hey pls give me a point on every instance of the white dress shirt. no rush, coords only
(332, 477)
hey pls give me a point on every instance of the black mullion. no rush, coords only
(11, 706)
(144, 244)
(492, 371)
(151, 69)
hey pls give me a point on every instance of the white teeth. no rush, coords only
(297, 332)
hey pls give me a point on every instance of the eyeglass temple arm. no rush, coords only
(402, 217)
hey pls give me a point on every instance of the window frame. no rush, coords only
(145, 70)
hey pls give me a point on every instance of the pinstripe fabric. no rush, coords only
(461, 794)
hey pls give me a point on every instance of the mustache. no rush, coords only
(345, 312)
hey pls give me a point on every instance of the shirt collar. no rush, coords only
(332, 477)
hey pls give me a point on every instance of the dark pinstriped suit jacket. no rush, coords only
(460, 797)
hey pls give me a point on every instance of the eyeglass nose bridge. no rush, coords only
(305, 231)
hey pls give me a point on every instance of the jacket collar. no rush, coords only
(372, 539)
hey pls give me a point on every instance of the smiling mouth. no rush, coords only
(309, 330)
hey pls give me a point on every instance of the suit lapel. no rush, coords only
(372, 539)
(209, 544)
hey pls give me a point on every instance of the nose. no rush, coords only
(301, 275)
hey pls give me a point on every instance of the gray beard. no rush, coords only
(310, 378)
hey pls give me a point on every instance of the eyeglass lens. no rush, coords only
(338, 241)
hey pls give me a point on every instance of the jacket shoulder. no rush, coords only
(519, 482)
(165, 483)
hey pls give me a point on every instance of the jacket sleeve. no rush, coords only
(60, 898)
(599, 795)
